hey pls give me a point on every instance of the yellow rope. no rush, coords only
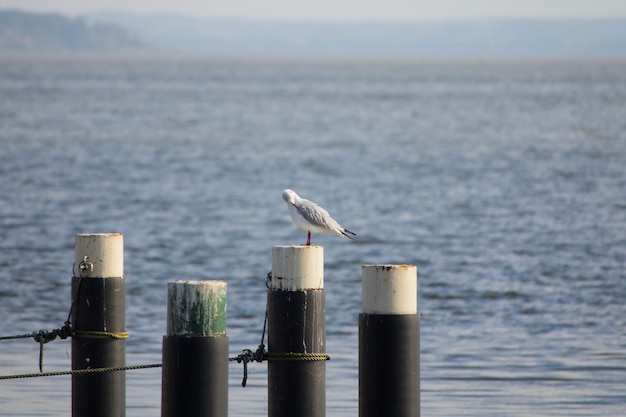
(297, 357)
(81, 371)
(88, 334)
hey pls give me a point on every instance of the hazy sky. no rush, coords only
(339, 9)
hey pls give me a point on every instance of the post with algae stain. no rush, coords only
(98, 319)
(296, 320)
(389, 361)
(195, 351)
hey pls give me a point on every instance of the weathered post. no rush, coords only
(195, 351)
(99, 322)
(389, 380)
(296, 319)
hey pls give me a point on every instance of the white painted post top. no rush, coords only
(99, 255)
(297, 268)
(389, 289)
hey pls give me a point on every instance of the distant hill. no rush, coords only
(508, 37)
(21, 31)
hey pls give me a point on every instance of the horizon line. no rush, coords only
(317, 18)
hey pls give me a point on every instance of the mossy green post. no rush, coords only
(195, 350)
(196, 308)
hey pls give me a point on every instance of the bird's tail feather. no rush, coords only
(348, 233)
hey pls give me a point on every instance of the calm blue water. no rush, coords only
(503, 181)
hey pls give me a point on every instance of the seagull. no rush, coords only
(312, 218)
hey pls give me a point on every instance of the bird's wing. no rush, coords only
(317, 216)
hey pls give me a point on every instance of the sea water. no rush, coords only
(504, 181)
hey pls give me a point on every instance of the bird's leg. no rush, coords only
(308, 238)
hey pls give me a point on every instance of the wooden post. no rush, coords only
(296, 319)
(389, 380)
(98, 294)
(195, 351)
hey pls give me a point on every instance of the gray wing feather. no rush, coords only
(317, 215)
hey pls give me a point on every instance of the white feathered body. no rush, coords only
(312, 218)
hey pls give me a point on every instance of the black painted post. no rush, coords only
(296, 319)
(98, 294)
(389, 362)
(195, 351)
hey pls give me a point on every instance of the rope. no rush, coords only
(87, 334)
(261, 354)
(44, 336)
(247, 355)
(17, 336)
(81, 371)
(297, 357)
